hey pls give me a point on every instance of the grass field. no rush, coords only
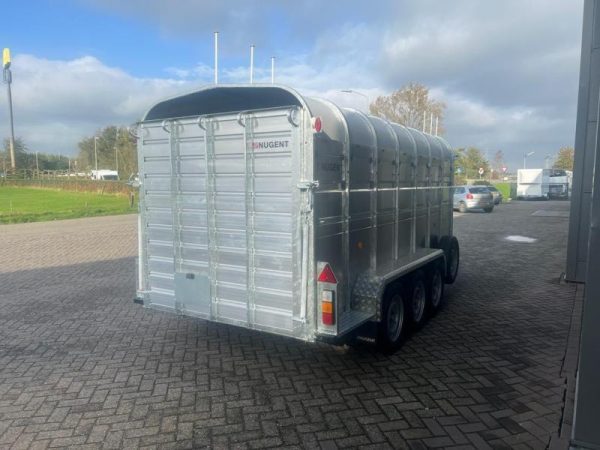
(23, 204)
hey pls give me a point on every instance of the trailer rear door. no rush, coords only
(220, 221)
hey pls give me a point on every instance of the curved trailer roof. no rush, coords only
(338, 122)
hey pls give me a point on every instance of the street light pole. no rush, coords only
(116, 154)
(8, 81)
(96, 151)
(525, 156)
(352, 91)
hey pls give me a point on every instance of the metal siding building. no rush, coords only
(583, 258)
(585, 143)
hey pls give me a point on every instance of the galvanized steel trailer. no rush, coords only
(265, 209)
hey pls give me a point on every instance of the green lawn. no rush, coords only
(25, 204)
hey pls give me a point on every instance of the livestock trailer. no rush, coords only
(268, 210)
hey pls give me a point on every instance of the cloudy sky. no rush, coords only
(507, 70)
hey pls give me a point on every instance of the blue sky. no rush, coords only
(509, 80)
(66, 29)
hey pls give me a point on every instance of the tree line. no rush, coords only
(30, 160)
(412, 105)
(113, 148)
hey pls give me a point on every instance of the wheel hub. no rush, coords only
(395, 319)
(453, 262)
(418, 303)
(436, 289)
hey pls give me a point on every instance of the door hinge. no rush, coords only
(308, 185)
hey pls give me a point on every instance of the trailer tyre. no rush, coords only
(452, 260)
(393, 315)
(417, 299)
(462, 207)
(489, 209)
(435, 286)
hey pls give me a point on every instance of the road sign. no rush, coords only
(481, 171)
(504, 169)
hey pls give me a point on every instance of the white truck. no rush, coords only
(268, 210)
(542, 184)
(106, 175)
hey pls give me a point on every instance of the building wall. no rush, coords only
(583, 259)
(585, 133)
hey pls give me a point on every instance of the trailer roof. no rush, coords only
(224, 99)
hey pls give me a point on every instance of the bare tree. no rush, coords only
(412, 107)
(498, 162)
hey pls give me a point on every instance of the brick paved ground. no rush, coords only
(81, 365)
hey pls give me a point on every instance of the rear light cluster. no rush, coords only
(469, 196)
(327, 287)
(327, 307)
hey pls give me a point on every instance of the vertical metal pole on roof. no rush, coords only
(431, 123)
(251, 64)
(424, 114)
(216, 57)
(272, 69)
(96, 152)
(437, 119)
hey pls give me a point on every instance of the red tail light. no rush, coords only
(317, 124)
(470, 196)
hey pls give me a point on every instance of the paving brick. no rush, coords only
(81, 365)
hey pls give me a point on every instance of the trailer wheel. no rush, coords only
(462, 207)
(488, 209)
(435, 286)
(393, 313)
(417, 299)
(452, 260)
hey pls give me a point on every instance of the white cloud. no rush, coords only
(508, 71)
(57, 103)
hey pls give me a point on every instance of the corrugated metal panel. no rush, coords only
(219, 218)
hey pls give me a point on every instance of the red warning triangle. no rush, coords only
(327, 275)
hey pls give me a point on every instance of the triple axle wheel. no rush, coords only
(407, 303)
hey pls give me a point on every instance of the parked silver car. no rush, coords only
(496, 194)
(467, 198)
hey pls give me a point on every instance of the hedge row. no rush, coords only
(79, 185)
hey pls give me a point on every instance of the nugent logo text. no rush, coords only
(269, 145)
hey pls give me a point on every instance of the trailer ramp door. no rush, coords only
(219, 223)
